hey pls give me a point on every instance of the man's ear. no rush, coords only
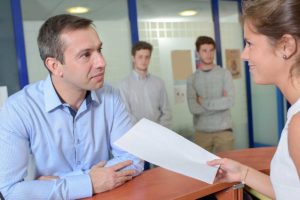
(54, 66)
(288, 46)
(133, 62)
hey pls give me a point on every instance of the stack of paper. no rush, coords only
(165, 148)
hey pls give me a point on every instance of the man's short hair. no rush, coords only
(204, 40)
(49, 41)
(141, 45)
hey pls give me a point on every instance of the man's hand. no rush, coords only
(199, 100)
(47, 178)
(107, 178)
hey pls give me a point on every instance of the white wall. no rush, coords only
(36, 69)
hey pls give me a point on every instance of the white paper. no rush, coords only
(165, 148)
(3, 95)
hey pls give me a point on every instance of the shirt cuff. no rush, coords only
(79, 186)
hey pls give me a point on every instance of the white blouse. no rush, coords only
(284, 176)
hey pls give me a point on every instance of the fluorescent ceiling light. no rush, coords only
(186, 13)
(77, 10)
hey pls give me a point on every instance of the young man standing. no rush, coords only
(68, 122)
(210, 96)
(144, 94)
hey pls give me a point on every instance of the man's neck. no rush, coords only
(70, 95)
(142, 73)
(209, 67)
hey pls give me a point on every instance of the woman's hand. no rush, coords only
(229, 170)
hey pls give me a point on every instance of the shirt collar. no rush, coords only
(138, 77)
(210, 70)
(93, 97)
(53, 101)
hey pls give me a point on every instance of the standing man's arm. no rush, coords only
(166, 113)
(226, 101)
(124, 92)
(192, 99)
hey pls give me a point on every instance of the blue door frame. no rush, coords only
(20, 44)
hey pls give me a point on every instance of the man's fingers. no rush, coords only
(121, 165)
(100, 164)
(122, 180)
(125, 173)
(46, 178)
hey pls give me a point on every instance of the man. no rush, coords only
(210, 96)
(68, 122)
(144, 94)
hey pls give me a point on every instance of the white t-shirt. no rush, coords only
(284, 176)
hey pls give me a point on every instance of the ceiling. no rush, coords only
(117, 9)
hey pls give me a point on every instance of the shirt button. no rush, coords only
(78, 141)
(78, 162)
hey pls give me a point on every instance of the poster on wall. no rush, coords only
(182, 68)
(181, 64)
(233, 62)
(180, 93)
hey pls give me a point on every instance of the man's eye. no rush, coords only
(87, 54)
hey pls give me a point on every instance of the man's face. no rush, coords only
(84, 64)
(141, 60)
(207, 54)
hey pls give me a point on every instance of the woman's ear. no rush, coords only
(288, 46)
(54, 66)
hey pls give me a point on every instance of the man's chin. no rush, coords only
(97, 86)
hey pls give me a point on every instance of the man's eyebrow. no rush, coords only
(89, 49)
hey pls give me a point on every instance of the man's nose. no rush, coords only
(99, 61)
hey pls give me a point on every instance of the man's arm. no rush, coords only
(192, 98)
(226, 101)
(14, 158)
(124, 92)
(121, 123)
(166, 114)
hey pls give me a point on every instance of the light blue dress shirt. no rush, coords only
(63, 143)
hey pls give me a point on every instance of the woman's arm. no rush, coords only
(232, 171)
(293, 140)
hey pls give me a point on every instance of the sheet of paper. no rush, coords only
(3, 95)
(165, 148)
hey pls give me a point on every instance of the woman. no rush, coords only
(272, 34)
